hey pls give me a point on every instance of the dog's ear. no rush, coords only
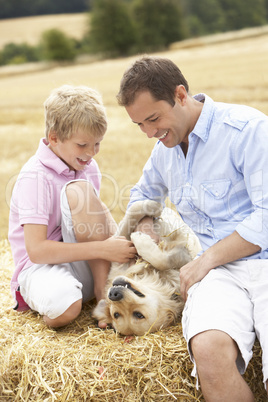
(102, 312)
(170, 317)
(173, 312)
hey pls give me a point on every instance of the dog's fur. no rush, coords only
(145, 296)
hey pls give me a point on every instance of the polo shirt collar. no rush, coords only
(49, 159)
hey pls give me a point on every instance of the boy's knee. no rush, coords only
(79, 194)
(67, 317)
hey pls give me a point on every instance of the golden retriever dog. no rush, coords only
(145, 296)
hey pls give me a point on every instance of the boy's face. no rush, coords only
(76, 151)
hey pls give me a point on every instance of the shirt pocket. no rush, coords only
(215, 197)
(217, 188)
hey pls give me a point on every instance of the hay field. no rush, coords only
(230, 72)
(29, 29)
(38, 364)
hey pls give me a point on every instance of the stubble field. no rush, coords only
(80, 362)
(234, 71)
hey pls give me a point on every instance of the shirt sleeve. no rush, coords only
(151, 185)
(252, 160)
(31, 199)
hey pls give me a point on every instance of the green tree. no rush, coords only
(244, 13)
(112, 30)
(203, 17)
(158, 23)
(55, 45)
(22, 8)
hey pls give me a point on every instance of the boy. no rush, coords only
(60, 231)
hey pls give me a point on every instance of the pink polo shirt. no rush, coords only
(36, 200)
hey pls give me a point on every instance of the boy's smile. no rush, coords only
(76, 151)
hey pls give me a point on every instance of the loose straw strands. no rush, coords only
(83, 363)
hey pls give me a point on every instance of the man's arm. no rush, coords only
(232, 248)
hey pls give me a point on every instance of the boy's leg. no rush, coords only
(61, 303)
(91, 222)
(68, 316)
(53, 291)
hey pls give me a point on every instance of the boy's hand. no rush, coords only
(119, 249)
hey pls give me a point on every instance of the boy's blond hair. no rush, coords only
(69, 108)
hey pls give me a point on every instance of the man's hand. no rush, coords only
(146, 225)
(231, 248)
(192, 273)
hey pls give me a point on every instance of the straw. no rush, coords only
(83, 363)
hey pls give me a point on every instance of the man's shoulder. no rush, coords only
(237, 116)
(236, 112)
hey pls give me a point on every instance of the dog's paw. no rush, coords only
(135, 213)
(141, 209)
(101, 313)
(144, 244)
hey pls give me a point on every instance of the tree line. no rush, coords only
(124, 27)
(27, 8)
(200, 16)
(211, 16)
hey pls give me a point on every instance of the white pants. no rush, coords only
(52, 289)
(234, 299)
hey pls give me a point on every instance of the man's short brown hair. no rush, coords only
(157, 75)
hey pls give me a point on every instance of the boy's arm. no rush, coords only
(44, 251)
(231, 248)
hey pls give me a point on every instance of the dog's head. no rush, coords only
(140, 305)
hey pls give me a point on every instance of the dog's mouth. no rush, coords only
(122, 283)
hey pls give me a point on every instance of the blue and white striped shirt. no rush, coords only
(222, 184)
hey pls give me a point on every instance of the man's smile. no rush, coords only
(163, 136)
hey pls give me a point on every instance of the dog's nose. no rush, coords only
(115, 294)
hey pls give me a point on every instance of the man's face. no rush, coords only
(158, 119)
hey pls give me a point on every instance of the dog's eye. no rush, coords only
(138, 315)
(116, 315)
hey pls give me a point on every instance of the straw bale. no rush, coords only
(83, 363)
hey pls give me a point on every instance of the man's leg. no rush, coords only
(215, 355)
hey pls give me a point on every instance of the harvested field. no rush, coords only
(29, 29)
(80, 362)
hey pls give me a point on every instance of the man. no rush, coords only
(211, 159)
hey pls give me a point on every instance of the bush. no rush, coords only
(18, 53)
(56, 46)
